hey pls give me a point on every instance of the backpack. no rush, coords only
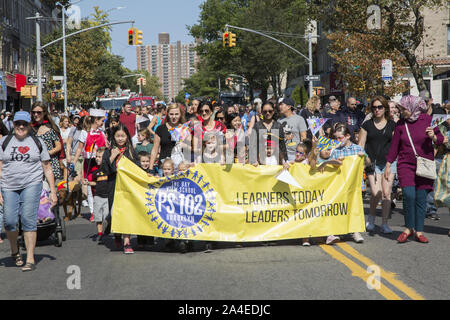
(10, 136)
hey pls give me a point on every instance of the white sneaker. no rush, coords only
(332, 239)
(370, 225)
(84, 203)
(385, 229)
(358, 238)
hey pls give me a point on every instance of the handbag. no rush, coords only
(426, 168)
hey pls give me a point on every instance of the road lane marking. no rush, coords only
(388, 276)
(358, 271)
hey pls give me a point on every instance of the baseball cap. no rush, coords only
(288, 101)
(22, 116)
(331, 98)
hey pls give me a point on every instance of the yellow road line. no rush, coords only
(359, 272)
(388, 276)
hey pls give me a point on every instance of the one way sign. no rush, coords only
(312, 78)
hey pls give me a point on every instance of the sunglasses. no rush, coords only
(220, 118)
(300, 153)
(207, 111)
(267, 111)
(377, 107)
(36, 112)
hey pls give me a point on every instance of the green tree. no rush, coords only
(90, 66)
(258, 59)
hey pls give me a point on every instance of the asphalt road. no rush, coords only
(82, 269)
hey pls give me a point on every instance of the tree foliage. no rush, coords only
(359, 57)
(90, 66)
(401, 31)
(258, 59)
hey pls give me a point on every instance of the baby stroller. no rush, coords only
(49, 223)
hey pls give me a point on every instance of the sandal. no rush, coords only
(29, 267)
(17, 259)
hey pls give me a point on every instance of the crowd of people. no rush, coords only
(164, 140)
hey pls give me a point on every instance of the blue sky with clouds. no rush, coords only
(150, 16)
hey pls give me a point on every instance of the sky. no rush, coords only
(150, 16)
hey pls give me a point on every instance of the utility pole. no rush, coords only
(310, 64)
(38, 57)
(64, 54)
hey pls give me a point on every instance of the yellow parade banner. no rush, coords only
(239, 202)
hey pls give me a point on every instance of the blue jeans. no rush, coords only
(414, 206)
(26, 202)
(431, 208)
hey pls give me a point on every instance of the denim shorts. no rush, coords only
(23, 203)
(380, 169)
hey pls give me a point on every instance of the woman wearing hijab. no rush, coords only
(415, 188)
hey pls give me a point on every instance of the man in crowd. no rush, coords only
(8, 121)
(352, 116)
(432, 109)
(334, 115)
(294, 126)
(128, 118)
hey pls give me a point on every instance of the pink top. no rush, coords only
(401, 148)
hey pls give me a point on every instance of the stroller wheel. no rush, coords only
(59, 239)
(64, 233)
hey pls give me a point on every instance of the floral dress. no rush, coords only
(49, 138)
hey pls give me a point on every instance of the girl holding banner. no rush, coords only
(342, 134)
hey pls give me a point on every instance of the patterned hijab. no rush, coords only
(415, 105)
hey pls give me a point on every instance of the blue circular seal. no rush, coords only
(180, 203)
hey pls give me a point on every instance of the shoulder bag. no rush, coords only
(425, 168)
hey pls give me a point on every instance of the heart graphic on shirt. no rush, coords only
(23, 150)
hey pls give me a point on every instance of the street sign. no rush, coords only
(386, 70)
(58, 78)
(312, 78)
(34, 80)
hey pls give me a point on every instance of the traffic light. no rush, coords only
(318, 91)
(226, 39)
(138, 40)
(232, 41)
(141, 81)
(131, 36)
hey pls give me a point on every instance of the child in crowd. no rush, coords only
(272, 151)
(144, 144)
(100, 188)
(322, 159)
(302, 156)
(341, 133)
(168, 168)
(144, 160)
(212, 152)
(183, 166)
(121, 146)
